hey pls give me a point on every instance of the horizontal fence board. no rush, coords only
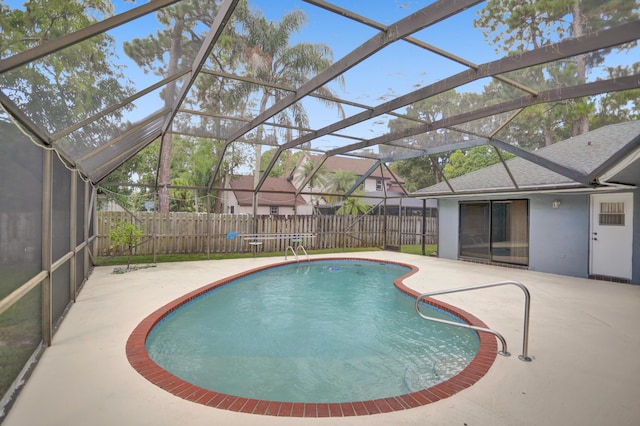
(184, 233)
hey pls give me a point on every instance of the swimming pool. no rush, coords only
(280, 334)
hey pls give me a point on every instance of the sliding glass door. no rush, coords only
(475, 230)
(495, 230)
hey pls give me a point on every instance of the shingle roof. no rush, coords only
(593, 152)
(359, 166)
(242, 187)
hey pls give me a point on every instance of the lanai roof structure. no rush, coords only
(387, 56)
(91, 92)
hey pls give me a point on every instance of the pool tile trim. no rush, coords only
(145, 366)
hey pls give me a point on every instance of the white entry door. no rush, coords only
(611, 234)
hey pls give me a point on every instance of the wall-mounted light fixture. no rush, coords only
(555, 204)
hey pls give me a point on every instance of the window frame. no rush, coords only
(379, 184)
(492, 233)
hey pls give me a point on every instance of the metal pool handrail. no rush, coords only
(504, 352)
(295, 252)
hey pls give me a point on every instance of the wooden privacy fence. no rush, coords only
(181, 233)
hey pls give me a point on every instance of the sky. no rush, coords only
(395, 70)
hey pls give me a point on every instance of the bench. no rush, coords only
(256, 240)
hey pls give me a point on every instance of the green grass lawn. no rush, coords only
(429, 249)
(161, 258)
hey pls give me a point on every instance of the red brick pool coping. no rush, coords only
(143, 364)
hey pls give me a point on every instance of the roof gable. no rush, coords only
(274, 192)
(359, 166)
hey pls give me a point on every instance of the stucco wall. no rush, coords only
(559, 238)
(265, 210)
(635, 271)
(448, 214)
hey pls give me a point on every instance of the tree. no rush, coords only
(173, 48)
(339, 182)
(269, 58)
(140, 169)
(479, 157)
(417, 172)
(616, 107)
(354, 206)
(193, 160)
(126, 234)
(424, 171)
(515, 25)
(69, 85)
(318, 180)
(285, 164)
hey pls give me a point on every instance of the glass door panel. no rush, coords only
(509, 232)
(475, 226)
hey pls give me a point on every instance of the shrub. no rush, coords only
(127, 235)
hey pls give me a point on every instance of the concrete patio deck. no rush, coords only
(584, 341)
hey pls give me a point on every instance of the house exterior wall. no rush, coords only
(370, 184)
(448, 226)
(305, 210)
(559, 238)
(266, 210)
(230, 203)
(635, 258)
(232, 206)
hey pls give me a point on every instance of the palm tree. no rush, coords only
(318, 180)
(340, 182)
(173, 47)
(270, 59)
(354, 206)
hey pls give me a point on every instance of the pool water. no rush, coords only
(332, 331)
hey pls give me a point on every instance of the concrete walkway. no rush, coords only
(583, 337)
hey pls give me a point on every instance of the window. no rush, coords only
(612, 213)
(495, 230)
(378, 184)
(273, 210)
(231, 209)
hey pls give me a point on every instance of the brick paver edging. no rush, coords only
(143, 364)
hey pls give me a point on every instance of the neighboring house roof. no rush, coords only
(359, 166)
(607, 155)
(394, 198)
(283, 195)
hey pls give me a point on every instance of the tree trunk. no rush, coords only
(164, 173)
(581, 122)
(548, 136)
(164, 165)
(258, 148)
